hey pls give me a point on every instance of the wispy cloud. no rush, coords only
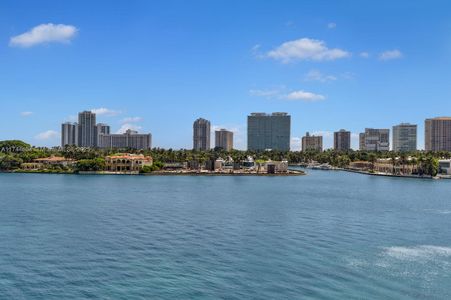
(26, 113)
(295, 144)
(131, 120)
(46, 135)
(283, 94)
(306, 49)
(264, 93)
(44, 33)
(304, 96)
(390, 54)
(315, 75)
(102, 111)
(127, 126)
(364, 54)
(331, 25)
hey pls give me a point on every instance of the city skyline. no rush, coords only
(139, 65)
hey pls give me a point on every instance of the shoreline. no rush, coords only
(164, 173)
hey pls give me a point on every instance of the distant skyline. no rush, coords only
(156, 66)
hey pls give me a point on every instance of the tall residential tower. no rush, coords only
(405, 137)
(268, 131)
(201, 134)
(342, 140)
(86, 129)
(69, 134)
(437, 134)
(224, 139)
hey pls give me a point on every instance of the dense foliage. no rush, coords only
(14, 153)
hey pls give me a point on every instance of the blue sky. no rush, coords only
(158, 65)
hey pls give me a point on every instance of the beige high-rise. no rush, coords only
(224, 139)
(437, 134)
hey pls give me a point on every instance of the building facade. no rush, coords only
(69, 134)
(268, 131)
(342, 140)
(130, 139)
(312, 142)
(224, 139)
(405, 137)
(375, 140)
(437, 134)
(127, 162)
(87, 129)
(201, 135)
(101, 129)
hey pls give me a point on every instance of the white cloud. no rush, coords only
(130, 126)
(239, 135)
(331, 25)
(390, 54)
(304, 96)
(71, 118)
(323, 133)
(295, 144)
(264, 93)
(44, 33)
(105, 112)
(26, 113)
(46, 135)
(131, 120)
(315, 75)
(306, 49)
(364, 54)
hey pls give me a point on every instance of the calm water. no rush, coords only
(328, 235)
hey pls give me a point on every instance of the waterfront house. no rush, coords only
(48, 162)
(127, 162)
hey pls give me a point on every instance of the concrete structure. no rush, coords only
(127, 162)
(375, 140)
(224, 139)
(362, 141)
(405, 137)
(445, 166)
(268, 131)
(342, 140)
(437, 135)
(312, 143)
(130, 139)
(101, 129)
(86, 129)
(69, 134)
(201, 135)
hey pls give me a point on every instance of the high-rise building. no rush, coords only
(405, 137)
(201, 135)
(224, 139)
(69, 134)
(312, 142)
(130, 139)
(101, 129)
(375, 140)
(362, 141)
(342, 140)
(86, 129)
(268, 131)
(437, 134)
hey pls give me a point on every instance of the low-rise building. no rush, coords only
(444, 166)
(127, 162)
(46, 162)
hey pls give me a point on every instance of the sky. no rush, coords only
(156, 66)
